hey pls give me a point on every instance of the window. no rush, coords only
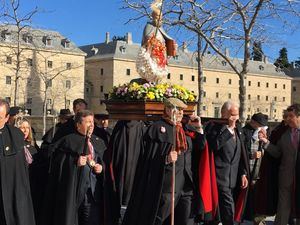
(68, 66)
(101, 89)
(294, 88)
(257, 110)
(275, 85)
(217, 94)
(66, 43)
(128, 72)
(68, 84)
(8, 99)
(204, 93)
(8, 60)
(267, 110)
(284, 86)
(49, 101)
(261, 67)
(181, 76)
(267, 84)
(249, 110)
(249, 83)
(229, 81)
(169, 76)
(275, 98)
(193, 78)
(175, 57)
(87, 90)
(8, 80)
(229, 95)
(224, 63)
(29, 62)
(50, 64)
(267, 98)
(283, 99)
(204, 108)
(49, 83)
(217, 80)
(27, 38)
(258, 97)
(101, 71)
(29, 101)
(204, 79)
(29, 82)
(48, 41)
(258, 84)
(249, 97)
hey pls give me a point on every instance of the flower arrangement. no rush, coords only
(150, 92)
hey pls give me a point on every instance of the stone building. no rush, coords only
(42, 66)
(113, 62)
(294, 72)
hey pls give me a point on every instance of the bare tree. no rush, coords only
(12, 16)
(234, 23)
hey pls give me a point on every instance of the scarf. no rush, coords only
(181, 144)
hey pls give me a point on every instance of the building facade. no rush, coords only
(40, 66)
(113, 62)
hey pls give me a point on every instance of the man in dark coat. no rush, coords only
(287, 149)
(150, 202)
(75, 187)
(231, 161)
(15, 199)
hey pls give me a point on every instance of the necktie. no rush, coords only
(295, 137)
(91, 149)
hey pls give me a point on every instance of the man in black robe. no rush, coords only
(231, 161)
(15, 199)
(150, 201)
(75, 187)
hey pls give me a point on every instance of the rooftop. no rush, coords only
(38, 38)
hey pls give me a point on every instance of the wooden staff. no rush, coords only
(174, 168)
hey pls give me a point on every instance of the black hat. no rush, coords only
(260, 118)
(14, 110)
(101, 116)
(65, 112)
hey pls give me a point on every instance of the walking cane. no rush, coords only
(174, 168)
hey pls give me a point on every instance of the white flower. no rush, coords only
(163, 129)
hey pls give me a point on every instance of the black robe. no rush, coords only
(148, 182)
(15, 197)
(66, 185)
(121, 157)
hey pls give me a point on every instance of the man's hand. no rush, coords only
(257, 155)
(97, 168)
(262, 136)
(244, 182)
(81, 161)
(172, 157)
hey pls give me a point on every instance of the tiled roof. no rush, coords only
(36, 38)
(123, 50)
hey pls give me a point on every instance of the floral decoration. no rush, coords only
(150, 92)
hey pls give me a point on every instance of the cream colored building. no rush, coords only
(46, 58)
(294, 72)
(113, 62)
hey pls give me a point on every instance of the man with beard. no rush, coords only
(75, 188)
(15, 199)
(167, 144)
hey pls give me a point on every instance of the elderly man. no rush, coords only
(15, 199)
(166, 142)
(287, 148)
(231, 160)
(75, 187)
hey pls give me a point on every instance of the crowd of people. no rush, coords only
(170, 171)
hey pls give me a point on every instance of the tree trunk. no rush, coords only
(200, 76)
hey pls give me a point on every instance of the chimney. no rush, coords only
(184, 47)
(265, 59)
(129, 38)
(227, 53)
(107, 38)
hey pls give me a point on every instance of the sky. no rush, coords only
(86, 22)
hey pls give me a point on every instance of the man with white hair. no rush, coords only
(225, 139)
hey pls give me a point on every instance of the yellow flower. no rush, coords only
(191, 98)
(150, 95)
